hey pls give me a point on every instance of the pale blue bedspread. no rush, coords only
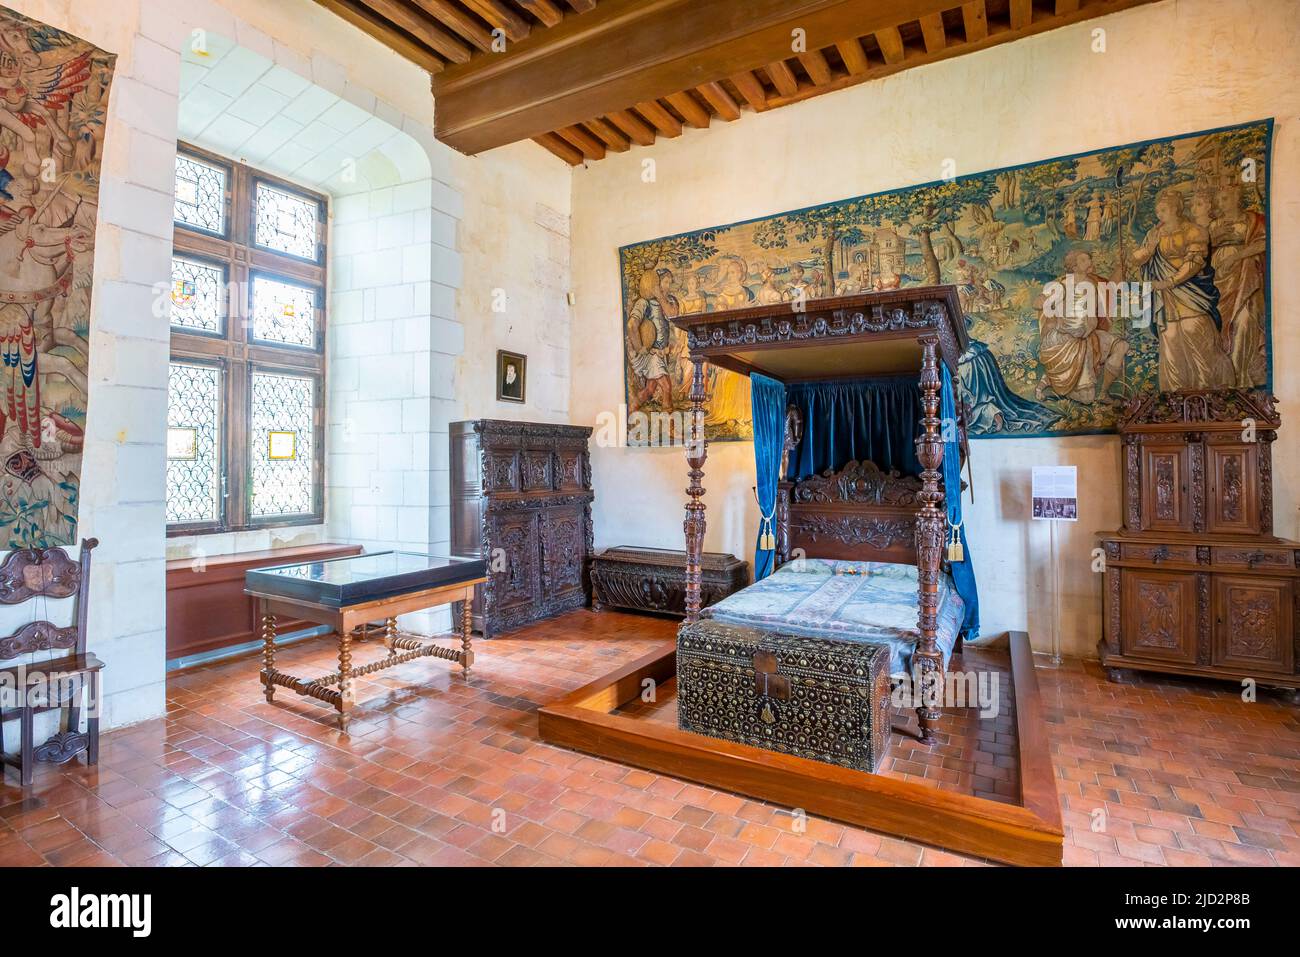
(856, 601)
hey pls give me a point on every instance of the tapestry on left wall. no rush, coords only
(53, 105)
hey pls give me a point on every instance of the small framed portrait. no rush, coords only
(512, 370)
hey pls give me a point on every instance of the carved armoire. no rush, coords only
(1196, 581)
(521, 499)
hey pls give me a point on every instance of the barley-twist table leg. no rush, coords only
(268, 653)
(390, 632)
(346, 691)
(466, 628)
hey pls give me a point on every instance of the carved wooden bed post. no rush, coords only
(696, 452)
(927, 662)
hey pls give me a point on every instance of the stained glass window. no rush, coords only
(282, 467)
(193, 443)
(242, 447)
(198, 295)
(200, 194)
(286, 222)
(283, 312)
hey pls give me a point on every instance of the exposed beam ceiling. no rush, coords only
(586, 77)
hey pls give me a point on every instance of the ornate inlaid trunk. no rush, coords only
(1196, 582)
(817, 698)
(654, 579)
(521, 500)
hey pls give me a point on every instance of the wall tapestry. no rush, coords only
(1184, 217)
(53, 102)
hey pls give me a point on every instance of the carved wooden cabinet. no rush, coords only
(1196, 582)
(521, 499)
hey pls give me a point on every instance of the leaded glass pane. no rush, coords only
(200, 194)
(198, 290)
(282, 450)
(286, 222)
(193, 443)
(284, 312)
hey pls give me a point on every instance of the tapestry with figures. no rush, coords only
(53, 100)
(1084, 280)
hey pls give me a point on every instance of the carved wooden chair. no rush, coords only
(29, 688)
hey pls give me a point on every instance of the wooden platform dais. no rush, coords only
(606, 718)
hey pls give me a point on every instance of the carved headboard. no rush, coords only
(858, 513)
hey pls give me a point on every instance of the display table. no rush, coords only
(345, 594)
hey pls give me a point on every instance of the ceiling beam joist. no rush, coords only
(561, 148)
(751, 88)
(722, 102)
(637, 130)
(422, 28)
(667, 124)
(368, 23)
(634, 51)
(502, 18)
(458, 20)
(855, 59)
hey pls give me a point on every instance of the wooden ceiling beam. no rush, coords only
(424, 29)
(591, 147)
(751, 88)
(544, 10)
(637, 129)
(975, 21)
(1022, 14)
(890, 42)
(561, 148)
(819, 71)
(502, 17)
(932, 31)
(916, 57)
(782, 78)
(720, 100)
(690, 109)
(456, 19)
(667, 124)
(1065, 7)
(582, 6)
(630, 51)
(854, 57)
(366, 21)
(611, 137)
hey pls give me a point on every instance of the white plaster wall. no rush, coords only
(516, 191)
(1169, 68)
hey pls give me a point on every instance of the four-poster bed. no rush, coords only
(855, 514)
(856, 511)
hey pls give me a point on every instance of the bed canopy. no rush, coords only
(875, 475)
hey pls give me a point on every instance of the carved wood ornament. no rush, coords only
(858, 511)
(1196, 581)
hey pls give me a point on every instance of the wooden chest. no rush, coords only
(654, 579)
(818, 698)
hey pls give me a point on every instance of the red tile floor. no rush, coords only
(438, 771)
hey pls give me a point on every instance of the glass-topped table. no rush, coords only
(360, 578)
(348, 594)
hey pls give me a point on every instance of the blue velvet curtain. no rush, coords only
(963, 572)
(857, 419)
(878, 419)
(768, 406)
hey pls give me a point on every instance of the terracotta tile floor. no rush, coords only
(973, 755)
(1180, 772)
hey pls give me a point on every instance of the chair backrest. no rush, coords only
(28, 573)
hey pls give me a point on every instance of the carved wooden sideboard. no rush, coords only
(654, 579)
(1196, 582)
(521, 499)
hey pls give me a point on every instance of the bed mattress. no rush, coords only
(856, 601)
